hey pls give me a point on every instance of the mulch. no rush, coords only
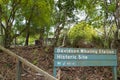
(43, 58)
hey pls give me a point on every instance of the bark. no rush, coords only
(117, 21)
(9, 23)
(41, 37)
(57, 34)
(27, 37)
(1, 27)
(105, 23)
(28, 27)
(7, 37)
(60, 27)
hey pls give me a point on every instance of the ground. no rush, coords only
(43, 58)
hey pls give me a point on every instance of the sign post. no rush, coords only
(71, 57)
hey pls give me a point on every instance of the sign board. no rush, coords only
(70, 57)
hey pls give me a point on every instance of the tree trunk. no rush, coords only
(7, 37)
(27, 38)
(106, 45)
(1, 29)
(27, 32)
(41, 37)
(57, 33)
(58, 30)
(117, 20)
(28, 21)
(9, 19)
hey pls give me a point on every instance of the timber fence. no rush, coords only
(26, 62)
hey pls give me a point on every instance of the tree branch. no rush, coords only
(16, 35)
(3, 26)
(13, 11)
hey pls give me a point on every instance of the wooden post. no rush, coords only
(19, 70)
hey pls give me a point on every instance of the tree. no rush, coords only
(81, 32)
(117, 21)
(36, 17)
(102, 13)
(39, 18)
(22, 16)
(63, 14)
(9, 9)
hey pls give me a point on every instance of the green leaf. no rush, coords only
(1, 2)
(111, 8)
(82, 31)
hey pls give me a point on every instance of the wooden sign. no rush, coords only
(85, 57)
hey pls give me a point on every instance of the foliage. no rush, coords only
(62, 16)
(81, 31)
(24, 17)
(28, 18)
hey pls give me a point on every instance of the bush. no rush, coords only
(81, 32)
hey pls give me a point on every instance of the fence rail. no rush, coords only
(24, 61)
